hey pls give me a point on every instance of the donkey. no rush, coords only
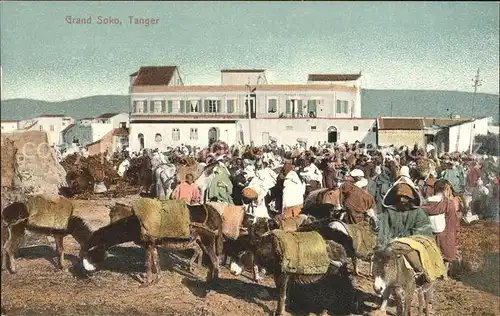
(392, 276)
(264, 254)
(204, 234)
(15, 224)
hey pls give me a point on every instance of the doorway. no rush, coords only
(332, 134)
(253, 110)
(213, 135)
(141, 141)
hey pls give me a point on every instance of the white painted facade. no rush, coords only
(9, 126)
(242, 77)
(309, 130)
(99, 130)
(462, 135)
(162, 135)
(116, 121)
(52, 125)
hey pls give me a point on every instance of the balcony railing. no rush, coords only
(190, 116)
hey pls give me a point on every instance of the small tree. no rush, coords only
(487, 144)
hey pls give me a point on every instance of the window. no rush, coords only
(41, 127)
(158, 137)
(230, 106)
(289, 128)
(346, 107)
(170, 106)
(212, 106)
(342, 107)
(176, 134)
(140, 137)
(288, 107)
(52, 128)
(272, 106)
(144, 106)
(151, 106)
(313, 128)
(123, 124)
(298, 106)
(355, 128)
(158, 106)
(195, 106)
(193, 134)
(312, 106)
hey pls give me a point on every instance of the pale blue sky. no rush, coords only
(397, 45)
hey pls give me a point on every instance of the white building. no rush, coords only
(460, 136)
(90, 130)
(52, 124)
(164, 114)
(117, 120)
(9, 126)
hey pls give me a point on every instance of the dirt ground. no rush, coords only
(39, 289)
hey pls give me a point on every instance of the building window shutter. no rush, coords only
(151, 106)
(311, 106)
(134, 107)
(169, 106)
(198, 106)
(339, 106)
(182, 106)
(145, 106)
(206, 106)
(230, 106)
(163, 109)
(287, 107)
(299, 106)
(218, 106)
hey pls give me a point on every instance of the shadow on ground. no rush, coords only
(488, 277)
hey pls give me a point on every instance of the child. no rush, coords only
(187, 190)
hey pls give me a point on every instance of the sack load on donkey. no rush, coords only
(301, 253)
(232, 218)
(163, 219)
(47, 211)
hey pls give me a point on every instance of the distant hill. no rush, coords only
(375, 103)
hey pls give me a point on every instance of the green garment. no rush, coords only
(394, 224)
(221, 187)
(379, 187)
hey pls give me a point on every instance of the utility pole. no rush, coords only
(249, 109)
(477, 83)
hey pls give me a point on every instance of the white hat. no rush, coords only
(404, 171)
(357, 173)
(361, 183)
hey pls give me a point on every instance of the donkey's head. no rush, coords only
(387, 266)
(92, 257)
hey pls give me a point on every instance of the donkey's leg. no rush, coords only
(156, 265)
(59, 238)
(198, 254)
(355, 265)
(15, 236)
(208, 247)
(282, 280)
(420, 294)
(149, 266)
(399, 296)
(429, 298)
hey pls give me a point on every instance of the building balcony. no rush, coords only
(186, 116)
